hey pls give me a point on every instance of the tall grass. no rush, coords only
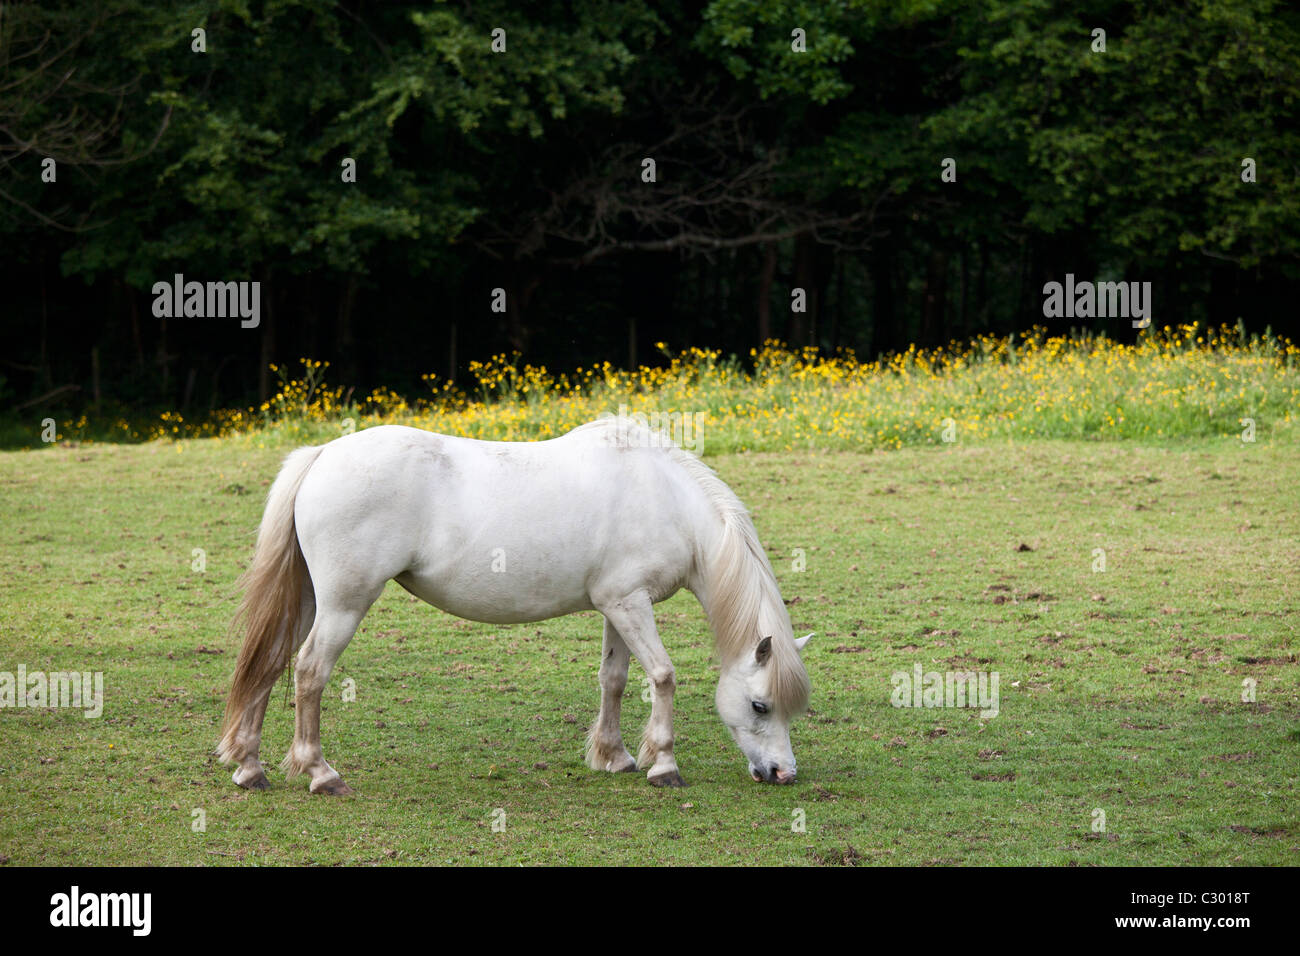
(1181, 381)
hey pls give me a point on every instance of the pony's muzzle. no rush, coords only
(771, 775)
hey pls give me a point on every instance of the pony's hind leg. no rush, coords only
(633, 617)
(330, 634)
(605, 750)
(250, 774)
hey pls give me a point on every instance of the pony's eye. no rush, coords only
(758, 708)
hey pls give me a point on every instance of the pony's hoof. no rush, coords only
(611, 760)
(334, 786)
(670, 779)
(621, 763)
(256, 782)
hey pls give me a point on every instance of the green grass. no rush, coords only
(1120, 690)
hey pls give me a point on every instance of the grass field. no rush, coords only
(1121, 691)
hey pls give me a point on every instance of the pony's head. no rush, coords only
(758, 694)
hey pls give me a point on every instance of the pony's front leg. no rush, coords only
(633, 618)
(605, 750)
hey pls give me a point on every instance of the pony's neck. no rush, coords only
(739, 591)
(743, 604)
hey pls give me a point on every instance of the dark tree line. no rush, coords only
(793, 147)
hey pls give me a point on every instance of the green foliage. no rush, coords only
(754, 39)
(478, 169)
(248, 174)
(1140, 145)
(1143, 143)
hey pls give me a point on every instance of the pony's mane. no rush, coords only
(743, 599)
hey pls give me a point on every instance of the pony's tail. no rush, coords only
(272, 603)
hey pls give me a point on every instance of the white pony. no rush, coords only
(610, 516)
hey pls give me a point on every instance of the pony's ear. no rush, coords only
(764, 650)
(801, 642)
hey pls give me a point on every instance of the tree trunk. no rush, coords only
(884, 305)
(1171, 303)
(162, 359)
(801, 322)
(44, 375)
(839, 304)
(1024, 278)
(216, 382)
(934, 300)
(1224, 298)
(94, 379)
(981, 287)
(345, 341)
(189, 387)
(266, 353)
(525, 283)
(814, 264)
(311, 315)
(451, 353)
(133, 311)
(765, 293)
(963, 317)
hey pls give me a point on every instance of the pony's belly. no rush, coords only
(496, 601)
